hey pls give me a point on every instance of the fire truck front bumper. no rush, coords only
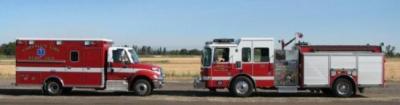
(158, 83)
(199, 83)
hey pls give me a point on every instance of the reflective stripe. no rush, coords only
(263, 77)
(229, 77)
(74, 69)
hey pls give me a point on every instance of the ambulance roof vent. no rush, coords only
(224, 40)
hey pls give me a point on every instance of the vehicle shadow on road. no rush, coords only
(188, 93)
(227, 94)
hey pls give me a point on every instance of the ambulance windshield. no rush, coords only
(134, 56)
(206, 57)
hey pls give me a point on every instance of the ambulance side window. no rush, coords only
(120, 56)
(116, 55)
(261, 54)
(221, 55)
(246, 54)
(74, 56)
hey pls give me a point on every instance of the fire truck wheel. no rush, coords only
(242, 87)
(52, 87)
(343, 88)
(142, 87)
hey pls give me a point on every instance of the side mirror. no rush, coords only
(238, 64)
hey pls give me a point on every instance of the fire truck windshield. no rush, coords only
(134, 56)
(206, 57)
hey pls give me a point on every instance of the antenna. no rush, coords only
(299, 36)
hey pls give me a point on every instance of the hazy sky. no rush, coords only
(189, 23)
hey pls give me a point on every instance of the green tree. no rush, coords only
(8, 49)
(389, 51)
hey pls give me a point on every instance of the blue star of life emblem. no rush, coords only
(40, 52)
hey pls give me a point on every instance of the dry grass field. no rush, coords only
(189, 67)
(392, 69)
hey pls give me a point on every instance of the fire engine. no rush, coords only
(248, 64)
(59, 65)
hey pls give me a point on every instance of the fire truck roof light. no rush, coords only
(224, 40)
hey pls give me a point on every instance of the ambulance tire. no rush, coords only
(241, 87)
(52, 87)
(343, 88)
(142, 87)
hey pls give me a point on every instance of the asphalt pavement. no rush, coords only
(182, 93)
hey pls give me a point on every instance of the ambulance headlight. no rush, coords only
(354, 73)
(156, 69)
(333, 73)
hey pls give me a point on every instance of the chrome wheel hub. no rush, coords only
(343, 88)
(242, 87)
(53, 87)
(141, 88)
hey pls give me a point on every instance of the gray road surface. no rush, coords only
(182, 93)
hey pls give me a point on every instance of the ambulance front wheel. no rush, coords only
(52, 87)
(242, 87)
(142, 87)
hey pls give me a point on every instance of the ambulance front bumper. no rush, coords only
(158, 83)
(199, 83)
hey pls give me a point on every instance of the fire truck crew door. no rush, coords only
(262, 66)
(221, 67)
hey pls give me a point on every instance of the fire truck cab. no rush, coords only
(59, 65)
(247, 64)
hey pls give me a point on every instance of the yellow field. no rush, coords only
(174, 67)
(392, 69)
(189, 67)
(7, 68)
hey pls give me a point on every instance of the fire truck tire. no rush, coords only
(241, 87)
(52, 87)
(142, 87)
(343, 88)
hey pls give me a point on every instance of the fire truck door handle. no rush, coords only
(69, 67)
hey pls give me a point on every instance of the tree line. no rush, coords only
(148, 50)
(8, 49)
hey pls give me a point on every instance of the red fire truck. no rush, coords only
(59, 65)
(247, 64)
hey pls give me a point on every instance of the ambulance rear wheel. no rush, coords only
(53, 87)
(142, 87)
(242, 87)
(343, 88)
